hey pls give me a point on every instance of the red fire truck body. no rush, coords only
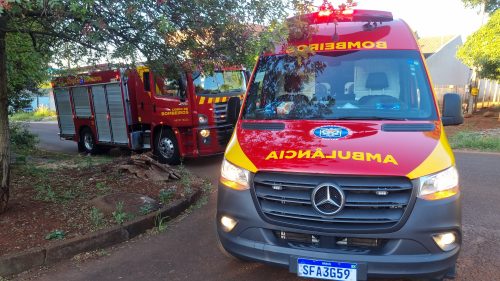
(178, 117)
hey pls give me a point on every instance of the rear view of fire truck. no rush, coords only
(175, 115)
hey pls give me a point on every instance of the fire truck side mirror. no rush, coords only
(452, 110)
(233, 110)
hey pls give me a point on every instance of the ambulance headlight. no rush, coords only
(234, 177)
(202, 119)
(440, 185)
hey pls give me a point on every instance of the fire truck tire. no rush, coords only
(166, 148)
(87, 142)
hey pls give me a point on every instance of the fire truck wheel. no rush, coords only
(166, 148)
(87, 142)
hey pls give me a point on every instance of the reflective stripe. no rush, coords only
(224, 99)
(202, 100)
(210, 100)
(217, 100)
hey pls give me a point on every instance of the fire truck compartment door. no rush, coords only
(101, 114)
(64, 112)
(81, 102)
(117, 113)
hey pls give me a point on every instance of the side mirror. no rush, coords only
(452, 110)
(233, 110)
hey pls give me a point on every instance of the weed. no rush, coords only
(119, 214)
(166, 195)
(96, 218)
(474, 140)
(44, 192)
(43, 112)
(102, 253)
(21, 138)
(161, 223)
(102, 187)
(147, 208)
(207, 186)
(55, 235)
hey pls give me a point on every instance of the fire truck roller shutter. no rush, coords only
(101, 114)
(81, 102)
(117, 113)
(64, 112)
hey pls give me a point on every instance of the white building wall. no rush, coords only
(445, 68)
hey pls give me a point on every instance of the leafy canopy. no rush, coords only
(26, 70)
(203, 32)
(482, 49)
(490, 5)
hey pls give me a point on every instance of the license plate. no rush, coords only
(327, 270)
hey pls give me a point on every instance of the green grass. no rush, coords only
(476, 141)
(42, 113)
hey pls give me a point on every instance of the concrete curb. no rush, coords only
(50, 254)
(476, 152)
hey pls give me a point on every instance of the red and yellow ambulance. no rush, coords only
(339, 167)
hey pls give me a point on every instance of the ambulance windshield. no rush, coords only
(219, 82)
(365, 85)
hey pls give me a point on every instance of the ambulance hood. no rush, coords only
(346, 147)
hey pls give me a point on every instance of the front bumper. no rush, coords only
(408, 252)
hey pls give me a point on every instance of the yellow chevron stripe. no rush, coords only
(217, 100)
(202, 100)
(224, 99)
(210, 100)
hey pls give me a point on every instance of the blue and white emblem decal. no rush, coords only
(331, 132)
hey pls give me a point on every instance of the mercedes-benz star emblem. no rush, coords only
(328, 199)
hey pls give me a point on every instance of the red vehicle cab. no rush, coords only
(177, 115)
(339, 167)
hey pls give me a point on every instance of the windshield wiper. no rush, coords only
(370, 118)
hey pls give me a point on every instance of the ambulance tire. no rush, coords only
(225, 252)
(166, 148)
(87, 142)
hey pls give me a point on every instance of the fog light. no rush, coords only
(446, 241)
(205, 133)
(228, 223)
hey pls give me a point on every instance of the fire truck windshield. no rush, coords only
(365, 85)
(219, 82)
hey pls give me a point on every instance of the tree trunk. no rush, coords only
(4, 122)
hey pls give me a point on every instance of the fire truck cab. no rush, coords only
(339, 167)
(176, 115)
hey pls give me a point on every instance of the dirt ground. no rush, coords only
(477, 122)
(51, 191)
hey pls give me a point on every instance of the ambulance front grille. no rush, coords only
(224, 130)
(371, 203)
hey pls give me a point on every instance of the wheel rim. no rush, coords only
(166, 148)
(88, 141)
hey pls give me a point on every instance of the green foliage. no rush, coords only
(22, 139)
(474, 140)
(146, 209)
(490, 5)
(45, 193)
(26, 70)
(166, 195)
(482, 49)
(41, 113)
(119, 215)
(56, 235)
(96, 218)
(161, 223)
(206, 33)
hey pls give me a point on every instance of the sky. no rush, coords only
(428, 17)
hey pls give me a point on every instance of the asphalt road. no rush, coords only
(188, 251)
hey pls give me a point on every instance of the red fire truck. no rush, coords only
(176, 115)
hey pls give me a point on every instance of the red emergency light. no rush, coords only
(345, 13)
